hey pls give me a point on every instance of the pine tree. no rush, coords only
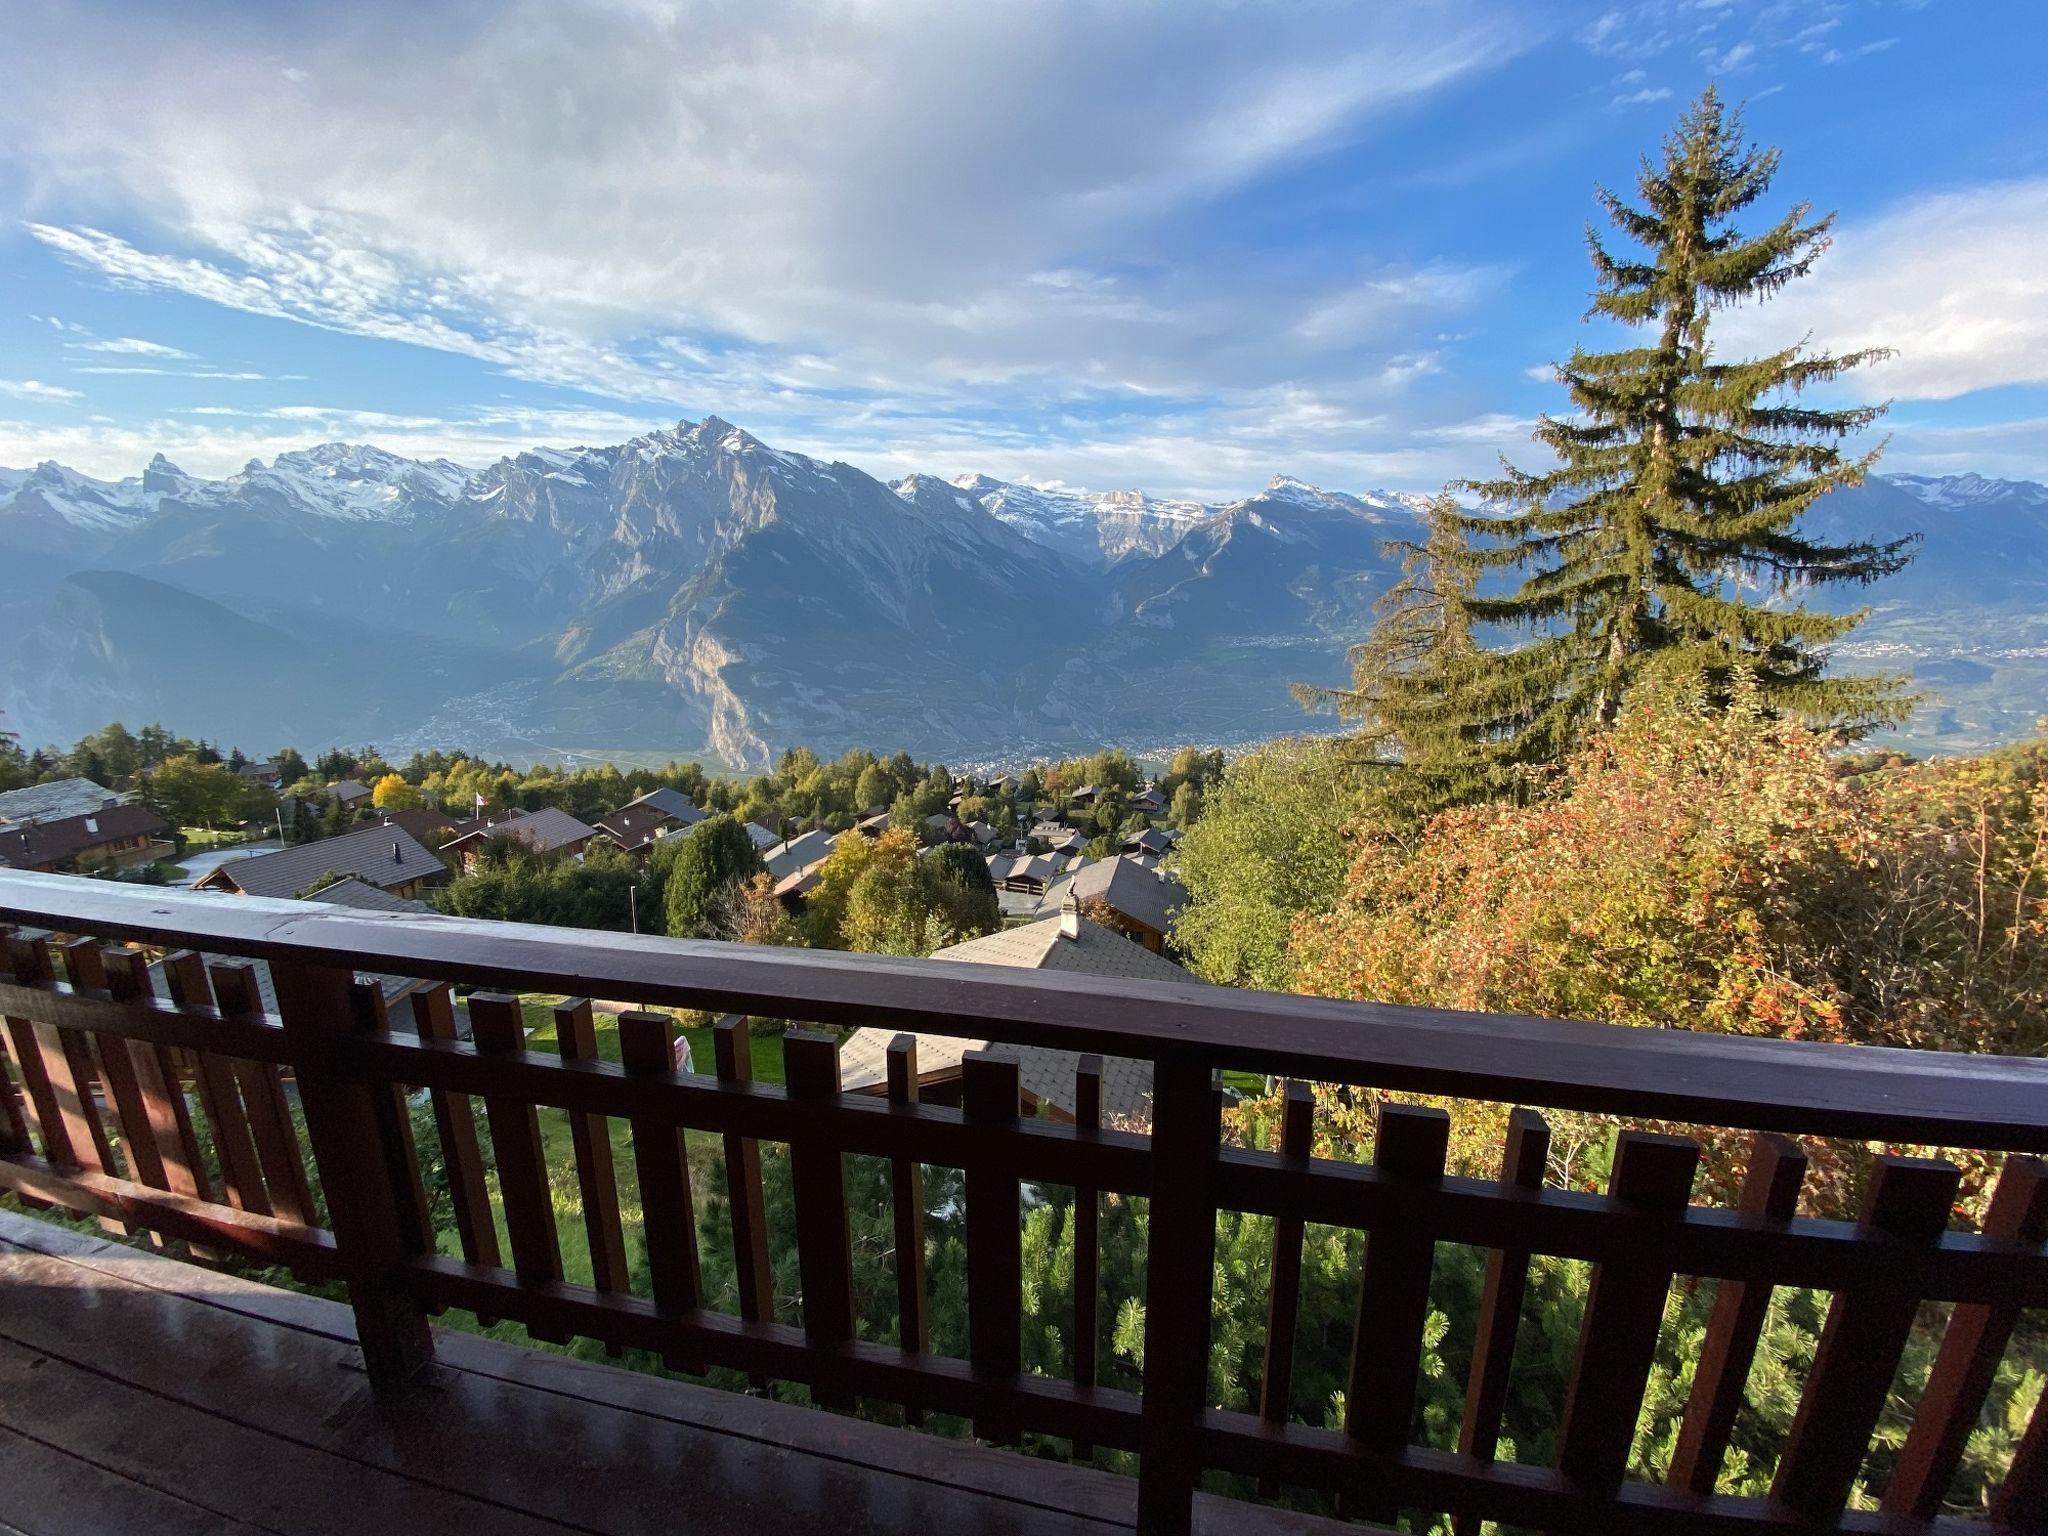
(1666, 540)
(1418, 677)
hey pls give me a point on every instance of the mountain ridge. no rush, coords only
(697, 588)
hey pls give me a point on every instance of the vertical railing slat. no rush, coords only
(401, 1151)
(1861, 1343)
(667, 1216)
(14, 1108)
(1087, 1243)
(995, 1240)
(1500, 1305)
(87, 972)
(469, 1189)
(1770, 1189)
(61, 1097)
(220, 1098)
(596, 1180)
(498, 1028)
(1970, 1351)
(1393, 1296)
(1180, 1258)
(1283, 1288)
(348, 1119)
(753, 1276)
(2021, 1503)
(163, 1135)
(1624, 1310)
(824, 1242)
(906, 1195)
(47, 1094)
(263, 1098)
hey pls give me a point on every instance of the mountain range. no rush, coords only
(696, 590)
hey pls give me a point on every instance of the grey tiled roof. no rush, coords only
(366, 898)
(1047, 1074)
(786, 859)
(1151, 897)
(56, 800)
(543, 830)
(381, 856)
(672, 801)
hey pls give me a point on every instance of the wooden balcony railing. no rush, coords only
(101, 1123)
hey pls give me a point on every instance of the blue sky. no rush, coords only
(1179, 246)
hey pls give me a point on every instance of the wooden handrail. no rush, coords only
(1865, 1092)
(102, 1062)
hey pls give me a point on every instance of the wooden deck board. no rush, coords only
(51, 1492)
(209, 1393)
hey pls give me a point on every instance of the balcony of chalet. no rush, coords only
(217, 1103)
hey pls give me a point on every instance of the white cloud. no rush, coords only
(2012, 449)
(1953, 282)
(1641, 97)
(133, 346)
(906, 199)
(36, 389)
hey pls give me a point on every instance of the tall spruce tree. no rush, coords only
(1420, 679)
(1665, 542)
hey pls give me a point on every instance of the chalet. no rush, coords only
(116, 837)
(1148, 802)
(1146, 900)
(1067, 942)
(944, 828)
(265, 774)
(1087, 794)
(872, 826)
(1023, 872)
(680, 809)
(634, 828)
(985, 836)
(760, 836)
(390, 858)
(55, 801)
(1049, 830)
(547, 830)
(799, 853)
(1150, 842)
(349, 794)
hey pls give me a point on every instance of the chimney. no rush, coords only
(396, 856)
(1070, 915)
(92, 823)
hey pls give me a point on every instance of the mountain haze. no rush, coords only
(695, 589)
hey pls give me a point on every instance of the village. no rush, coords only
(1107, 913)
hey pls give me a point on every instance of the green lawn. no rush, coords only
(197, 838)
(559, 1146)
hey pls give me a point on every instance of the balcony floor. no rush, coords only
(140, 1393)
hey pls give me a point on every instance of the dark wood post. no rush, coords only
(347, 1121)
(906, 1190)
(1087, 1243)
(1180, 1254)
(995, 1239)
(824, 1242)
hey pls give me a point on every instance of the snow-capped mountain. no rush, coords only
(1957, 493)
(1104, 527)
(351, 482)
(348, 482)
(698, 589)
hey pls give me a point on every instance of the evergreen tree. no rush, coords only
(1666, 539)
(708, 864)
